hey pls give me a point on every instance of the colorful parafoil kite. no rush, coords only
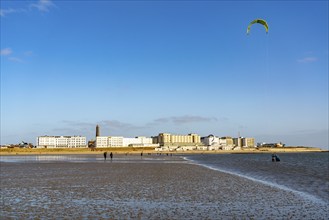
(259, 21)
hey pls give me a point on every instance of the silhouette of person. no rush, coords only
(105, 154)
(111, 155)
(277, 159)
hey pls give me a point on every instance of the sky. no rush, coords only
(140, 68)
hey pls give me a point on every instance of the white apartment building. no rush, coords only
(227, 143)
(210, 140)
(109, 141)
(137, 141)
(102, 141)
(61, 141)
(115, 142)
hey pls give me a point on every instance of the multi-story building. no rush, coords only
(115, 142)
(110, 141)
(244, 142)
(138, 141)
(237, 142)
(102, 141)
(210, 140)
(166, 139)
(61, 141)
(248, 142)
(226, 143)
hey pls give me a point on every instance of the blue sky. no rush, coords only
(138, 68)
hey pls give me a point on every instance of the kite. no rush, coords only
(259, 21)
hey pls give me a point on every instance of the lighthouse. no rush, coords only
(97, 131)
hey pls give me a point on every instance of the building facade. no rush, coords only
(61, 141)
(110, 141)
(115, 142)
(248, 142)
(210, 140)
(166, 139)
(244, 142)
(101, 141)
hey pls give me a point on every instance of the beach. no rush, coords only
(138, 150)
(152, 187)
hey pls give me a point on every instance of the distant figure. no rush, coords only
(111, 155)
(142, 155)
(105, 154)
(275, 158)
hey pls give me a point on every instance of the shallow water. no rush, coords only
(306, 174)
(85, 158)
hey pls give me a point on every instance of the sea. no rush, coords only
(306, 174)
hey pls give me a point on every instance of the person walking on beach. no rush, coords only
(105, 154)
(111, 155)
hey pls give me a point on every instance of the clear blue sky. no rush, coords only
(138, 68)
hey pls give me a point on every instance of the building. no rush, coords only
(210, 140)
(226, 143)
(248, 142)
(97, 131)
(110, 141)
(101, 142)
(166, 139)
(138, 141)
(115, 142)
(237, 142)
(270, 145)
(61, 141)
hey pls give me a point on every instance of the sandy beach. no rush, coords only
(142, 189)
(146, 150)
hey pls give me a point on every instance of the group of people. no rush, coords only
(105, 155)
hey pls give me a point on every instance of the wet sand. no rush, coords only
(168, 189)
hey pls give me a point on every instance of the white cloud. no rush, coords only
(40, 5)
(307, 60)
(3, 12)
(6, 52)
(185, 119)
(43, 5)
(16, 59)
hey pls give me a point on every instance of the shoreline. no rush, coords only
(74, 151)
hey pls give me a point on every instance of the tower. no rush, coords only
(97, 131)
